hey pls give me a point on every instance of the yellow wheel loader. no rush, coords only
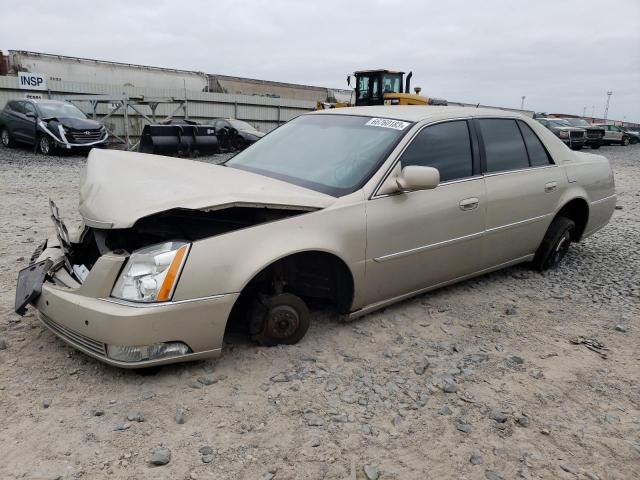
(383, 87)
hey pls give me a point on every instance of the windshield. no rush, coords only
(333, 154)
(577, 122)
(60, 110)
(559, 123)
(240, 125)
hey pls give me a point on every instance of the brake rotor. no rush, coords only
(282, 321)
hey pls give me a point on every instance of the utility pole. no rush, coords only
(584, 112)
(606, 109)
(522, 102)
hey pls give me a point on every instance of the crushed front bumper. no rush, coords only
(85, 317)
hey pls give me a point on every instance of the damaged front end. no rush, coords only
(66, 133)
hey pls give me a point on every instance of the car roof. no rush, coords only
(47, 102)
(418, 113)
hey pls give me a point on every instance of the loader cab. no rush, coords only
(372, 85)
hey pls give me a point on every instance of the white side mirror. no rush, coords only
(414, 177)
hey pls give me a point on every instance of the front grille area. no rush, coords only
(74, 338)
(576, 134)
(595, 134)
(84, 136)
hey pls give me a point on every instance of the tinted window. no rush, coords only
(28, 108)
(18, 107)
(503, 145)
(537, 154)
(445, 146)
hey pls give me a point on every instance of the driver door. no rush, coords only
(424, 238)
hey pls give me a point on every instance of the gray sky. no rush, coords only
(563, 55)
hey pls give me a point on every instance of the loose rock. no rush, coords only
(476, 459)
(372, 472)
(135, 417)
(180, 416)
(160, 456)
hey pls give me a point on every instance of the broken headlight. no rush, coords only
(151, 273)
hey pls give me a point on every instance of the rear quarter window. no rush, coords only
(538, 155)
(503, 145)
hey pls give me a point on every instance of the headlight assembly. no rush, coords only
(151, 273)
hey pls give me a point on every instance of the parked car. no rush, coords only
(49, 124)
(595, 134)
(634, 135)
(350, 208)
(573, 137)
(614, 134)
(235, 134)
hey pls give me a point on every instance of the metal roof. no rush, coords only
(417, 113)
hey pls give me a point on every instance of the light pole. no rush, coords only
(584, 112)
(606, 109)
(522, 102)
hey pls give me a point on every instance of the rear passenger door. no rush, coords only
(523, 189)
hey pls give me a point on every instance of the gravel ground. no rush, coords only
(478, 380)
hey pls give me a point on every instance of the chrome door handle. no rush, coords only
(469, 203)
(550, 187)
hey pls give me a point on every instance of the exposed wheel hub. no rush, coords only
(5, 137)
(282, 321)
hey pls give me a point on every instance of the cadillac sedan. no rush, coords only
(352, 209)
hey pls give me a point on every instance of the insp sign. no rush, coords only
(32, 81)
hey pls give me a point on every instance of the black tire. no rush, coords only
(595, 146)
(633, 140)
(625, 141)
(46, 146)
(285, 319)
(6, 138)
(576, 147)
(555, 244)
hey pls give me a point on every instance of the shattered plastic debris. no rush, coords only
(592, 344)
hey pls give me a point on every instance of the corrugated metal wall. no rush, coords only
(264, 113)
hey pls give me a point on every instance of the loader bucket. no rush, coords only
(178, 139)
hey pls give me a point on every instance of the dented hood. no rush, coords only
(118, 188)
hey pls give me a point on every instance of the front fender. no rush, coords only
(227, 263)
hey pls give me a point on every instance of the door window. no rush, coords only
(363, 87)
(19, 107)
(445, 146)
(28, 108)
(503, 145)
(538, 156)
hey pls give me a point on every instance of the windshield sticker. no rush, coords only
(388, 123)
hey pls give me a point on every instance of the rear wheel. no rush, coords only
(595, 146)
(6, 138)
(284, 319)
(555, 244)
(46, 145)
(625, 141)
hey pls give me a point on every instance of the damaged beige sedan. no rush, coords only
(351, 209)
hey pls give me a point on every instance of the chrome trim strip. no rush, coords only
(128, 303)
(519, 170)
(445, 243)
(378, 305)
(605, 199)
(517, 224)
(96, 223)
(425, 248)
